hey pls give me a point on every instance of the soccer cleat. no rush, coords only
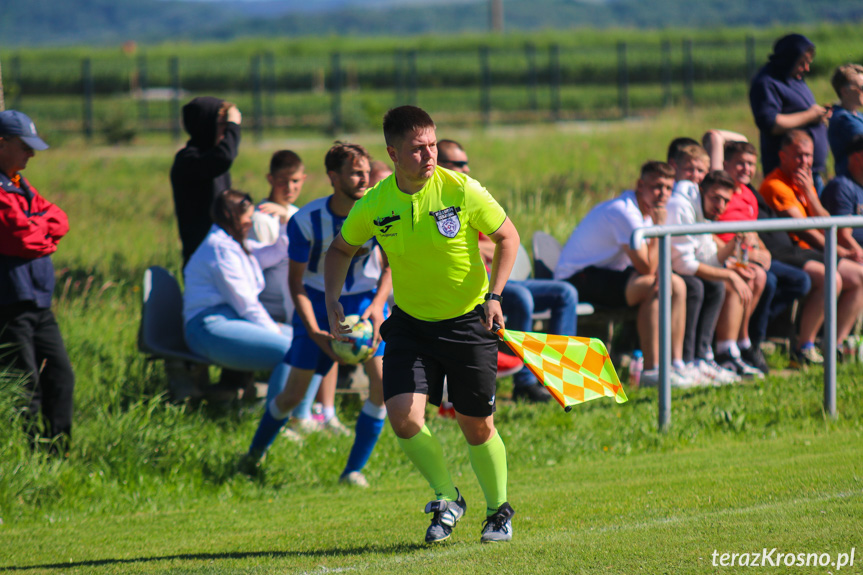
(498, 526)
(445, 515)
(355, 478)
(738, 366)
(250, 464)
(755, 357)
(305, 426)
(804, 357)
(534, 393)
(336, 427)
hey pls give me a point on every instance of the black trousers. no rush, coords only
(30, 342)
(704, 300)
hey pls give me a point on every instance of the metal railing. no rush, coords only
(664, 233)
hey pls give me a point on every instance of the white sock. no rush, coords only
(329, 412)
(373, 410)
(744, 343)
(728, 346)
(276, 412)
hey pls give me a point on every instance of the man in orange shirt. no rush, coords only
(789, 189)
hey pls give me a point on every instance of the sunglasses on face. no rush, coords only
(456, 164)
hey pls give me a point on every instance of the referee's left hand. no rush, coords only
(493, 315)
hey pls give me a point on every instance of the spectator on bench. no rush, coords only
(790, 191)
(846, 122)
(728, 293)
(843, 196)
(224, 320)
(599, 262)
(785, 283)
(521, 297)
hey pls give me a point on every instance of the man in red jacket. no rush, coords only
(30, 340)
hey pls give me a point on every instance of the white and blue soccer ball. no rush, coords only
(361, 343)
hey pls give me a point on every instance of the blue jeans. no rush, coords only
(223, 337)
(522, 298)
(785, 283)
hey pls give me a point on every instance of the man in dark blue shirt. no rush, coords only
(781, 101)
(843, 196)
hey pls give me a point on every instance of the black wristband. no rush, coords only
(494, 296)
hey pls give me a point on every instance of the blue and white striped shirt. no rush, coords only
(310, 233)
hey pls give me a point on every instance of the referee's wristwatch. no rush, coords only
(495, 296)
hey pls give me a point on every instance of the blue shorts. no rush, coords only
(304, 352)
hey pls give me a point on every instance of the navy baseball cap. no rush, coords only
(15, 123)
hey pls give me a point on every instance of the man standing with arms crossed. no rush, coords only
(426, 219)
(30, 228)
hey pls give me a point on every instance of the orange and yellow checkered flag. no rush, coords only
(573, 369)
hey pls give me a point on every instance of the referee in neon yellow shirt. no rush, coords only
(426, 219)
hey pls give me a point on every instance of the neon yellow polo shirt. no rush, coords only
(431, 241)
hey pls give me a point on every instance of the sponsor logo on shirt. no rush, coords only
(385, 223)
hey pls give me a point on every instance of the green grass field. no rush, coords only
(150, 487)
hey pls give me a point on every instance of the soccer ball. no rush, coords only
(361, 344)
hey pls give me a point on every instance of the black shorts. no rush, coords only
(420, 353)
(602, 286)
(798, 257)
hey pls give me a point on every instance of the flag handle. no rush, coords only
(499, 332)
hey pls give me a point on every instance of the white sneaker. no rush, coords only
(356, 479)
(290, 434)
(336, 427)
(305, 426)
(650, 378)
(717, 374)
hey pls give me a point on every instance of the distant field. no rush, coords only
(290, 83)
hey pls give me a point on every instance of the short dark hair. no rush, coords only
(733, 149)
(678, 143)
(794, 137)
(657, 168)
(341, 152)
(399, 121)
(443, 145)
(717, 178)
(285, 159)
(856, 145)
(226, 209)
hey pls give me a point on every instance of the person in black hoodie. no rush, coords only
(781, 101)
(201, 169)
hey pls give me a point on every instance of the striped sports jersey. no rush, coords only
(310, 233)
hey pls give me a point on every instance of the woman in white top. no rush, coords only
(224, 320)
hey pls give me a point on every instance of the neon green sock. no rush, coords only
(489, 464)
(426, 453)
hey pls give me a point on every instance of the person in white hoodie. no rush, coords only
(699, 259)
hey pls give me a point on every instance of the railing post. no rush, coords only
(622, 80)
(664, 366)
(554, 80)
(485, 86)
(257, 101)
(413, 81)
(336, 87)
(750, 58)
(143, 105)
(174, 67)
(830, 321)
(87, 84)
(530, 53)
(666, 73)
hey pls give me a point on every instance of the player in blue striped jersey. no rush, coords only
(367, 286)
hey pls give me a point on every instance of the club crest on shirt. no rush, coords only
(447, 221)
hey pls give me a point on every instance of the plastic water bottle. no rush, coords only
(636, 366)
